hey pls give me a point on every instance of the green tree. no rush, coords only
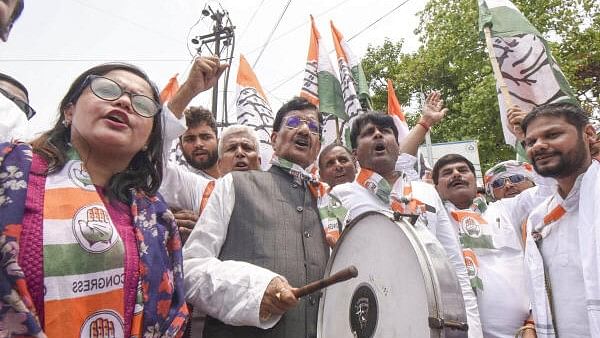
(452, 59)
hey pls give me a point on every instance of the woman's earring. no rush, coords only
(145, 147)
(66, 123)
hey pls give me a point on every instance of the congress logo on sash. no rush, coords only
(93, 229)
(471, 227)
(79, 176)
(103, 324)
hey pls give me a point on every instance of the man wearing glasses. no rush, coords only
(490, 235)
(14, 105)
(259, 236)
(508, 179)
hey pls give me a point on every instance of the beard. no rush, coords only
(213, 156)
(568, 163)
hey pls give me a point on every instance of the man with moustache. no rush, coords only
(380, 187)
(260, 236)
(238, 149)
(490, 235)
(563, 237)
(199, 143)
(336, 165)
(508, 179)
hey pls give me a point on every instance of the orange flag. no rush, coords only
(395, 111)
(170, 89)
(253, 109)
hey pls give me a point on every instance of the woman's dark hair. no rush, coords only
(145, 168)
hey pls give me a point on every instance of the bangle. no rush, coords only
(529, 321)
(424, 125)
(523, 328)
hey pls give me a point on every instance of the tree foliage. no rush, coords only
(452, 59)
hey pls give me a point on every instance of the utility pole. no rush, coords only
(220, 42)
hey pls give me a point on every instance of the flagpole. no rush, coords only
(337, 130)
(496, 67)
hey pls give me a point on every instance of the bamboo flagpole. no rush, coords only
(496, 67)
(337, 130)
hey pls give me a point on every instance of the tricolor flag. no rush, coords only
(355, 89)
(322, 87)
(253, 109)
(346, 61)
(395, 111)
(530, 72)
(170, 89)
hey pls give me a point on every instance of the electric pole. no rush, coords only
(220, 42)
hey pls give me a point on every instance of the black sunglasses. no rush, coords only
(24, 106)
(514, 179)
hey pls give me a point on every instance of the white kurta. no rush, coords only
(504, 301)
(570, 256)
(180, 188)
(359, 200)
(230, 291)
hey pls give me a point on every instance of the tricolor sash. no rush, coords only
(84, 297)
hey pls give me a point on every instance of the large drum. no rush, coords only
(405, 287)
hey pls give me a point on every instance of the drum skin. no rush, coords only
(404, 279)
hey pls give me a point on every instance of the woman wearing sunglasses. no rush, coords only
(87, 247)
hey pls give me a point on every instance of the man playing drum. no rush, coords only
(380, 187)
(259, 234)
(490, 235)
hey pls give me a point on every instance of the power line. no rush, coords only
(303, 24)
(291, 77)
(126, 19)
(376, 21)
(272, 32)
(251, 19)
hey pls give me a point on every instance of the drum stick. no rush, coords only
(340, 276)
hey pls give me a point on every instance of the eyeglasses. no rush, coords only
(24, 106)
(294, 122)
(109, 90)
(514, 179)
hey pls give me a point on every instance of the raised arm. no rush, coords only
(204, 74)
(433, 112)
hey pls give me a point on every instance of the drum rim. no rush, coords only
(432, 289)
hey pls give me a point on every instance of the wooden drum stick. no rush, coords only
(340, 276)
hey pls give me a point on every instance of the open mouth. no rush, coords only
(117, 117)
(458, 183)
(200, 153)
(240, 165)
(301, 142)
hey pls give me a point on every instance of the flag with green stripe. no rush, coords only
(528, 69)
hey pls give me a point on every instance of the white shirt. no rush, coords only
(13, 124)
(504, 301)
(230, 291)
(562, 261)
(180, 188)
(359, 200)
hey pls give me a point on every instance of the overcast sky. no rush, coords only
(54, 41)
